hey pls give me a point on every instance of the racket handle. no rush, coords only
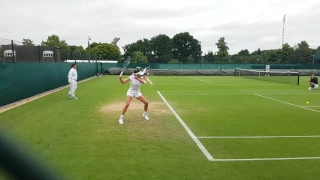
(121, 73)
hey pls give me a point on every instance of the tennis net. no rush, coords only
(271, 76)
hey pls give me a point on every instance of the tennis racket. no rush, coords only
(125, 64)
(144, 71)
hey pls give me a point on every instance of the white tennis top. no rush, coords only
(267, 67)
(134, 84)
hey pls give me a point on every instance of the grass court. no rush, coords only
(200, 127)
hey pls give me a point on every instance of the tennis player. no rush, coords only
(313, 82)
(267, 69)
(72, 79)
(147, 71)
(136, 80)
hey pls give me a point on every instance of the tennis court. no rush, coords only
(201, 127)
(239, 119)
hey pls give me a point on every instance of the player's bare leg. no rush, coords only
(125, 108)
(146, 104)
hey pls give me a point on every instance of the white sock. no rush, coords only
(121, 117)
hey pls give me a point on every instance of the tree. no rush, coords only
(272, 56)
(209, 57)
(27, 42)
(77, 52)
(185, 45)
(54, 41)
(143, 45)
(173, 61)
(318, 48)
(190, 60)
(303, 54)
(105, 51)
(223, 48)
(304, 49)
(76, 48)
(244, 53)
(257, 52)
(162, 48)
(92, 46)
(115, 41)
(286, 53)
(138, 57)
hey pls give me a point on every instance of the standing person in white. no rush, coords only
(267, 69)
(134, 92)
(72, 79)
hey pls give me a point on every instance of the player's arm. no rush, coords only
(70, 75)
(123, 81)
(142, 81)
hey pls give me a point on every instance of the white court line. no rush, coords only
(195, 139)
(200, 80)
(269, 159)
(254, 137)
(218, 84)
(310, 106)
(149, 81)
(223, 92)
(204, 93)
(254, 91)
(287, 103)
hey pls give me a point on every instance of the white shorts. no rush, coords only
(315, 86)
(134, 94)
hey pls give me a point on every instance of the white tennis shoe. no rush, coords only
(121, 120)
(145, 116)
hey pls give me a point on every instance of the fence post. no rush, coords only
(54, 54)
(39, 53)
(13, 56)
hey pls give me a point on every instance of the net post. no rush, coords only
(237, 73)
(298, 79)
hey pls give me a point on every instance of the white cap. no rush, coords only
(140, 73)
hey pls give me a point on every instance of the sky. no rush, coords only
(245, 24)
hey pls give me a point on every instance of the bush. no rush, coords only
(173, 61)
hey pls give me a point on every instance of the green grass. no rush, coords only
(83, 140)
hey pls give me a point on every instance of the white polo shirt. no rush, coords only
(73, 75)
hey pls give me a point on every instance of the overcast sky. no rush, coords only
(246, 24)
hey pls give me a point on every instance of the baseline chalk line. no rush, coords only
(268, 159)
(255, 137)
